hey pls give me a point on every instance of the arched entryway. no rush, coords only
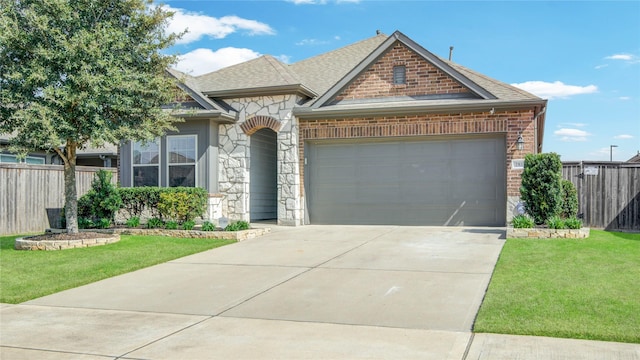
(263, 172)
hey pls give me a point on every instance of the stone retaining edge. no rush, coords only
(26, 244)
(535, 233)
(195, 234)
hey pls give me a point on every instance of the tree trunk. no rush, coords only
(70, 191)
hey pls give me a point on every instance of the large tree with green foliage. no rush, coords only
(77, 73)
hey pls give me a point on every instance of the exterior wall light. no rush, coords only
(520, 143)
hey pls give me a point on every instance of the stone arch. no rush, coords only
(259, 122)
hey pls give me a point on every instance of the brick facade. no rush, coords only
(509, 123)
(422, 78)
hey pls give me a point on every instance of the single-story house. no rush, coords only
(105, 156)
(378, 132)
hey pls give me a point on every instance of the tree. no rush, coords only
(541, 188)
(77, 73)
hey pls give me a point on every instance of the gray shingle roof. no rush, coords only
(262, 72)
(323, 71)
(320, 73)
(499, 89)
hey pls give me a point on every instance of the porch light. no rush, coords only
(520, 142)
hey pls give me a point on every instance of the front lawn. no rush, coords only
(26, 275)
(583, 288)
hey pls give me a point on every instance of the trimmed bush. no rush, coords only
(556, 222)
(171, 225)
(569, 199)
(155, 223)
(573, 223)
(104, 223)
(182, 204)
(522, 222)
(237, 226)
(133, 222)
(136, 199)
(541, 186)
(208, 226)
(188, 225)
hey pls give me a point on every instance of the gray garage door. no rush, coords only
(417, 181)
(263, 182)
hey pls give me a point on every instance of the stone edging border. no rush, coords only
(26, 244)
(196, 234)
(537, 233)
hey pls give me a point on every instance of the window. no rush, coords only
(399, 75)
(181, 153)
(146, 163)
(8, 158)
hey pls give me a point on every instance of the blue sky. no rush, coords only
(582, 56)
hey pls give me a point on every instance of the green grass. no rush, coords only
(26, 275)
(583, 289)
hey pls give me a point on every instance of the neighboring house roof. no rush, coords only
(635, 158)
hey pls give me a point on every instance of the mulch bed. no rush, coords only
(67, 236)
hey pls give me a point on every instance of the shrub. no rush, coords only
(85, 223)
(133, 222)
(569, 199)
(104, 223)
(208, 226)
(237, 226)
(136, 199)
(155, 223)
(182, 204)
(573, 223)
(103, 200)
(188, 225)
(555, 222)
(541, 186)
(171, 225)
(522, 222)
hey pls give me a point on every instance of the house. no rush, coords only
(106, 156)
(635, 158)
(378, 132)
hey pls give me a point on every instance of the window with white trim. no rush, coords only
(181, 155)
(146, 163)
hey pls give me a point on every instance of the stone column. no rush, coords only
(233, 179)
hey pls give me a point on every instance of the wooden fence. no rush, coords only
(608, 193)
(32, 196)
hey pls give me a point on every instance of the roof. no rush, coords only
(635, 158)
(266, 73)
(322, 77)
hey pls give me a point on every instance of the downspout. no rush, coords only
(535, 128)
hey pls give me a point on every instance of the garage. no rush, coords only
(451, 181)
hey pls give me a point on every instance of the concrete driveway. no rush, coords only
(307, 292)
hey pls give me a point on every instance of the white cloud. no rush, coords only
(311, 42)
(624, 98)
(201, 61)
(284, 58)
(625, 57)
(571, 135)
(555, 89)
(199, 25)
(573, 124)
(598, 67)
(623, 137)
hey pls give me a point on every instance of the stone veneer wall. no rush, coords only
(537, 233)
(234, 157)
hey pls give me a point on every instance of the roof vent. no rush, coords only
(378, 32)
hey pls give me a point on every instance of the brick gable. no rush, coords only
(422, 78)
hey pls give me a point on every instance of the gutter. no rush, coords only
(387, 109)
(535, 128)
